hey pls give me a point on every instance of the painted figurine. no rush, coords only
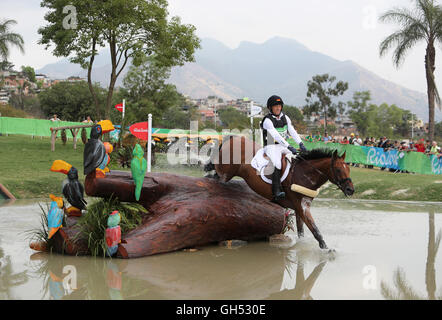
(114, 281)
(138, 167)
(109, 148)
(55, 215)
(113, 233)
(95, 156)
(72, 189)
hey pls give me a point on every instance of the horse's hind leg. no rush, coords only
(304, 209)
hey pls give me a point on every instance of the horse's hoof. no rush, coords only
(322, 245)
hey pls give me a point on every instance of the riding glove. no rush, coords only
(292, 149)
(302, 147)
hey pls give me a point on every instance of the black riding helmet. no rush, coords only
(273, 101)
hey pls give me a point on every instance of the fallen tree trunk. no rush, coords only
(187, 212)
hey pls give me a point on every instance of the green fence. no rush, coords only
(34, 127)
(410, 161)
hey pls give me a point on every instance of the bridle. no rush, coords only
(333, 179)
(337, 182)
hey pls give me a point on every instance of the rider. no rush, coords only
(279, 126)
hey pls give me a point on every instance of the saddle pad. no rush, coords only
(259, 163)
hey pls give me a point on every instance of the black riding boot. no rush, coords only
(278, 194)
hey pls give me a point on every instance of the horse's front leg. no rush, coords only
(304, 209)
(299, 223)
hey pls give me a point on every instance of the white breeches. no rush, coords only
(274, 152)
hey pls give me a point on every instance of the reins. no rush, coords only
(335, 180)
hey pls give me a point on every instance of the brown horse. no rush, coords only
(310, 169)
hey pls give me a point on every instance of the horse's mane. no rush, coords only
(315, 154)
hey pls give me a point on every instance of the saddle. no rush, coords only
(264, 167)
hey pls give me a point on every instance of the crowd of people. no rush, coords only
(427, 147)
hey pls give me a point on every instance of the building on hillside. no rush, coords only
(44, 80)
(17, 83)
(75, 79)
(4, 97)
(207, 115)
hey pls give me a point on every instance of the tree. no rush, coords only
(382, 120)
(421, 24)
(8, 39)
(6, 66)
(29, 72)
(130, 29)
(296, 117)
(438, 129)
(234, 119)
(321, 90)
(147, 92)
(360, 111)
(71, 101)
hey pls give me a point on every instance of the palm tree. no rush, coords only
(8, 38)
(423, 23)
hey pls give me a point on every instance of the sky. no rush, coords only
(342, 29)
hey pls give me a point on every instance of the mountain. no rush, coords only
(278, 66)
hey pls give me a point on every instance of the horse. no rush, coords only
(309, 169)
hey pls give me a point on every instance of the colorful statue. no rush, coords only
(55, 215)
(72, 189)
(114, 281)
(56, 289)
(95, 156)
(113, 233)
(109, 148)
(138, 167)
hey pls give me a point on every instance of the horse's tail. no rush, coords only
(209, 166)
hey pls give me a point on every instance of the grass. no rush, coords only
(25, 163)
(375, 184)
(93, 223)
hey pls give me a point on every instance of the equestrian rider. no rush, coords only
(279, 126)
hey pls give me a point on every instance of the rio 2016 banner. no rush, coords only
(393, 159)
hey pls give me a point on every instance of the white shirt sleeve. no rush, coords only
(268, 125)
(292, 131)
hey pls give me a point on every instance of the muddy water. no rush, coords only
(384, 250)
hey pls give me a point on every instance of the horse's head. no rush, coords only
(340, 174)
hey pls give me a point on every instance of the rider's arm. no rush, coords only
(292, 131)
(268, 125)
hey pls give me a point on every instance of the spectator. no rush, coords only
(382, 142)
(411, 145)
(420, 147)
(55, 118)
(434, 149)
(427, 146)
(352, 137)
(403, 146)
(344, 141)
(88, 120)
(318, 137)
(357, 141)
(366, 141)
